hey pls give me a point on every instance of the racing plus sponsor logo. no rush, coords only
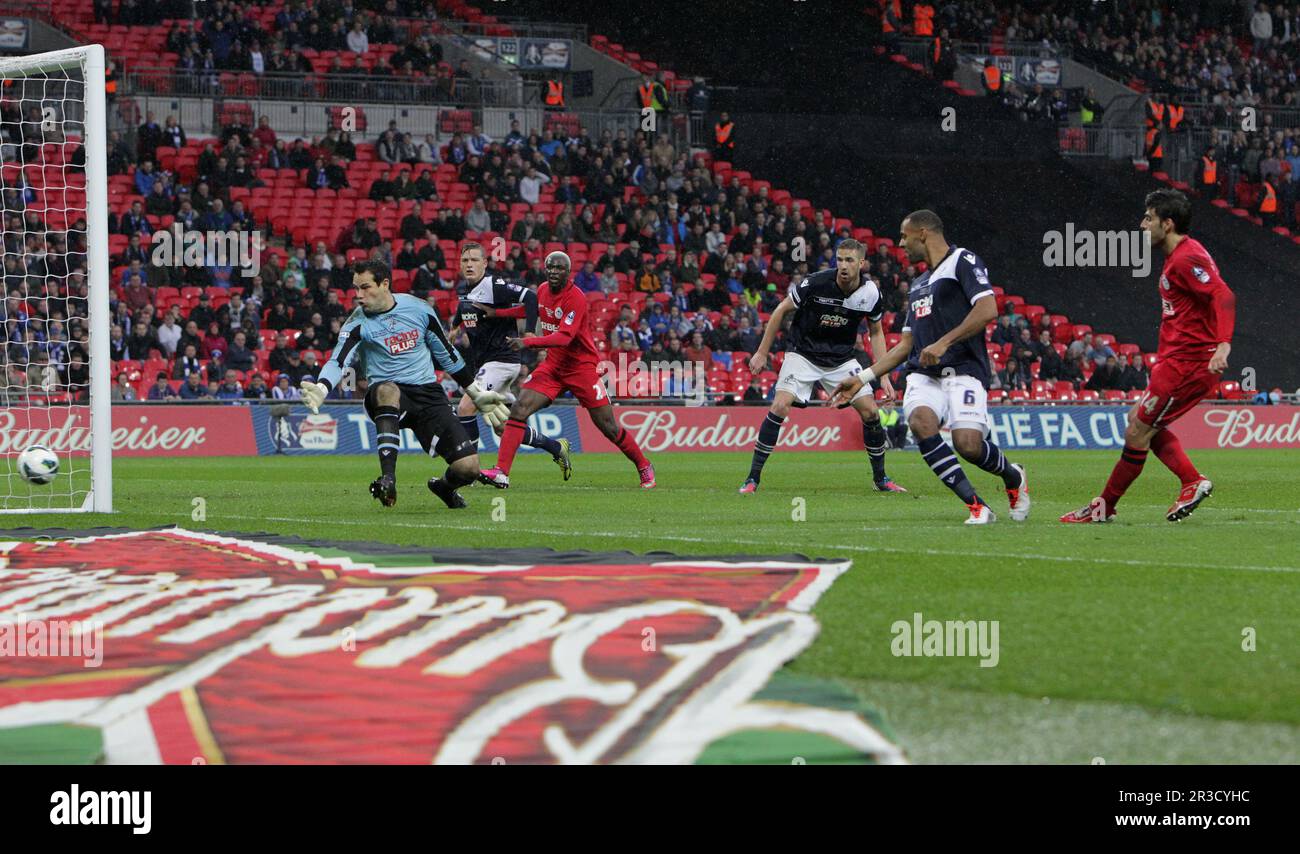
(657, 430)
(75, 806)
(72, 435)
(230, 650)
(922, 307)
(834, 320)
(401, 342)
(1237, 428)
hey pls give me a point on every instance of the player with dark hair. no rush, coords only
(570, 366)
(400, 339)
(488, 313)
(828, 307)
(1199, 312)
(947, 374)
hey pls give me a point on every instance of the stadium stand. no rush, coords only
(681, 241)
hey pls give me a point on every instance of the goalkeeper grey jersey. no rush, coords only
(405, 345)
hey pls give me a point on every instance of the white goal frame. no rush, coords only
(89, 59)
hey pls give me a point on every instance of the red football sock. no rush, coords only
(1170, 452)
(630, 449)
(510, 439)
(1124, 473)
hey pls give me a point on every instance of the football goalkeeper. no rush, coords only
(400, 339)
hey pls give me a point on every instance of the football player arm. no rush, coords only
(983, 312)
(444, 353)
(879, 369)
(876, 332)
(344, 354)
(774, 324)
(1225, 321)
(558, 338)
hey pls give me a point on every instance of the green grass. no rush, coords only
(1122, 641)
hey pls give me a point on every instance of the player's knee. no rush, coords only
(922, 427)
(969, 444)
(388, 394)
(781, 408)
(465, 468)
(1137, 434)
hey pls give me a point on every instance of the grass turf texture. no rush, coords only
(1120, 641)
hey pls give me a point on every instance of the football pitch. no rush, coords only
(1135, 642)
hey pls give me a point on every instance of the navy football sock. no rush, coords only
(470, 423)
(766, 443)
(874, 439)
(939, 455)
(387, 438)
(536, 440)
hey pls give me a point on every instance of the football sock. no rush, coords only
(765, 444)
(1170, 452)
(510, 438)
(533, 439)
(1124, 473)
(874, 439)
(992, 461)
(630, 449)
(470, 423)
(943, 461)
(387, 440)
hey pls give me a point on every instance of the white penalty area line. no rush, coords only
(505, 527)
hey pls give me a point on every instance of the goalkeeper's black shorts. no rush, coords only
(427, 412)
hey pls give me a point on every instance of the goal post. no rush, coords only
(55, 389)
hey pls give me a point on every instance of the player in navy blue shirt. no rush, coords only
(947, 369)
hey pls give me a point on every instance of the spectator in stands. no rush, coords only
(230, 388)
(587, 280)
(646, 280)
(239, 357)
(193, 387)
(1049, 367)
(477, 219)
(161, 390)
(122, 389)
(141, 341)
(1014, 376)
(1132, 377)
(278, 358)
(358, 41)
(285, 389)
(1025, 348)
(1097, 353)
(698, 351)
(135, 221)
(426, 279)
(530, 185)
(116, 347)
(1106, 376)
(213, 341)
(256, 388)
(608, 280)
(295, 369)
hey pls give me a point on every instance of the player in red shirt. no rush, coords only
(570, 365)
(1199, 312)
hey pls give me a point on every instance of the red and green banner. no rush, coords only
(190, 648)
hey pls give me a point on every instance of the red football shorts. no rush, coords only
(1175, 387)
(582, 380)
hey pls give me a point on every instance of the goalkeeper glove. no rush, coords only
(313, 394)
(490, 403)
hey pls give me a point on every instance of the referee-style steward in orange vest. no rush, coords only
(722, 135)
(1209, 171)
(1269, 204)
(923, 20)
(992, 78)
(554, 93)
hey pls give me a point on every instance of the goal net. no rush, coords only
(54, 366)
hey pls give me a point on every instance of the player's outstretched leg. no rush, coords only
(1137, 441)
(557, 448)
(603, 418)
(941, 459)
(1195, 486)
(388, 400)
(768, 433)
(975, 447)
(875, 441)
(529, 402)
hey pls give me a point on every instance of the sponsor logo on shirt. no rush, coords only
(834, 320)
(1200, 275)
(1167, 307)
(921, 307)
(982, 275)
(402, 341)
(568, 320)
(1164, 282)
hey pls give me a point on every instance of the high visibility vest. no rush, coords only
(1209, 170)
(1269, 205)
(992, 78)
(722, 133)
(110, 83)
(886, 7)
(647, 91)
(1155, 113)
(1085, 115)
(1154, 146)
(1175, 117)
(923, 20)
(554, 93)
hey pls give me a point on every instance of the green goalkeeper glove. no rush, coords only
(490, 403)
(313, 394)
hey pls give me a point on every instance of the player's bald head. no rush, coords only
(559, 259)
(927, 219)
